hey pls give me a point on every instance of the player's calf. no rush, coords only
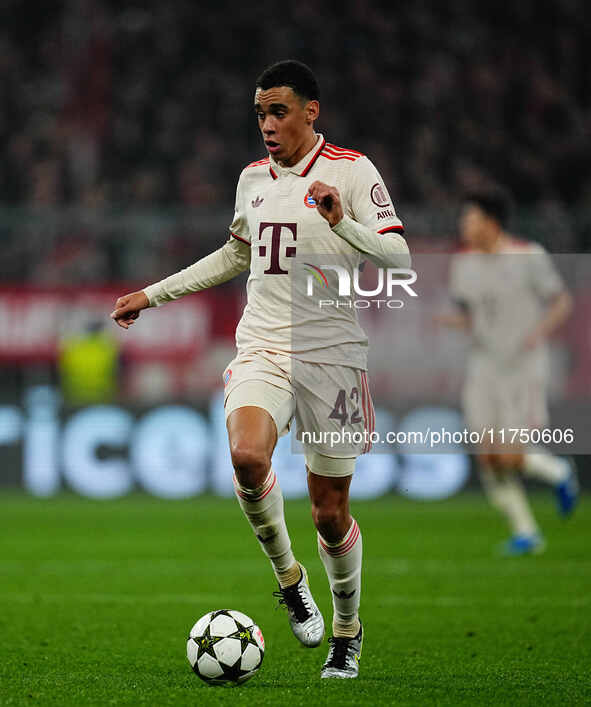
(342, 562)
(506, 493)
(263, 507)
(339, 541)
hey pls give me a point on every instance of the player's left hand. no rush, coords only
(328, 202)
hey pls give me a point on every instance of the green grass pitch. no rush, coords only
(97, 598)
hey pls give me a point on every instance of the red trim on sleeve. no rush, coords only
(239, 239)
(393, 229)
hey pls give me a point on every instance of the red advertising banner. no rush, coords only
(34, 320)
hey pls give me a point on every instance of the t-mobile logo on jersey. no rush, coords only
(387, 279)
(276, 247)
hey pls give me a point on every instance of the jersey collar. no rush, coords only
(304, 165)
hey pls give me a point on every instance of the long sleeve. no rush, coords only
(370, 224)
(384, 250)
(217, 267)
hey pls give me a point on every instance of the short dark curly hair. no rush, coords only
(495, 202)
(299, 77)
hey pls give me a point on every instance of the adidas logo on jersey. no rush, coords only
(256, 202)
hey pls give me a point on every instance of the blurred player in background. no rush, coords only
(509, 299)
(311, 197)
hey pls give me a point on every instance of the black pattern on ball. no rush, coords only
(239, 637)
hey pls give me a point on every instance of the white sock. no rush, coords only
(508, 495)
(546, 467)
(263, 507)
(342, 562)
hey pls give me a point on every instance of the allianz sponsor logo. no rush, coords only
(380, 296)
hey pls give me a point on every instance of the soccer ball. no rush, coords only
(225, 647)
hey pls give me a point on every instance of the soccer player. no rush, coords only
(307, 196)
(509, 298)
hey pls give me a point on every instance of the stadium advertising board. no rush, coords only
(178, 451)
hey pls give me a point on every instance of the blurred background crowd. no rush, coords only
(124, 126)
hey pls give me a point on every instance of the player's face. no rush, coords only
(476, 228)
(286, 123)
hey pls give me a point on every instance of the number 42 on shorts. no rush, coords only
(339, 411)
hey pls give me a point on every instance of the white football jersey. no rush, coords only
(277, 218)
(505, 294)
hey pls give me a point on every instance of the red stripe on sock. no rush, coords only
(269, 489)
(249, 496)
(346, 546)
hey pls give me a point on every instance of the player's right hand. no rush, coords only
(128, 308)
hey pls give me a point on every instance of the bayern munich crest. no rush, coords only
(309, 201)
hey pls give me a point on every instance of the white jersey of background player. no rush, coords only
(318, 199)
(510, 298)
(505, 293)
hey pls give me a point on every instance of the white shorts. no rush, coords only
(509, 400)
(331, 404)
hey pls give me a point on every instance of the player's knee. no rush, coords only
(251, 463)
(330, 521)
